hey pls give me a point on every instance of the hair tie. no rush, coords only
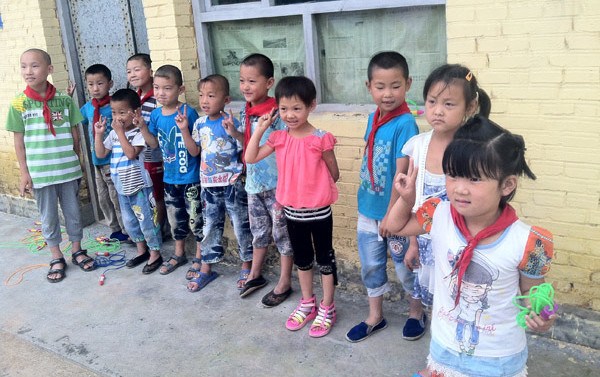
(469, 76)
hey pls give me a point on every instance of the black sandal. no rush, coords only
(82, 263)
(60, 271)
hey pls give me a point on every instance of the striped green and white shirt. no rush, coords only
(50, 159)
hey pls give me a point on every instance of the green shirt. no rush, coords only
(50, 159)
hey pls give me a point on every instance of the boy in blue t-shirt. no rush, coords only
(98, 80)
(388, 129)
(181, 175)
(220, 172)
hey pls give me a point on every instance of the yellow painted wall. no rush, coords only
(538, 60)
(27, 24)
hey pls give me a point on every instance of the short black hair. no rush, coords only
(264, 64)
(218, 80)
(99, 69)
(145, 58)
(299, 86)
(129, 96)
(170, 72)
(43, 53)
(388, 60)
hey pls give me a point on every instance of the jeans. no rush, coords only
(372, 251)
(216, 201)
(139, 216)
(184, 210)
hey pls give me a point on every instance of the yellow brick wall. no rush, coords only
(539, 61)
(27, 24)
(172, 40)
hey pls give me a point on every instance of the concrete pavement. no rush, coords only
(137, 325)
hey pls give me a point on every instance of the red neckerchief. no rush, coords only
(256, 110)
(145, 98)
(402, 109)
(507, 217)
(50, 92)
(98, 103)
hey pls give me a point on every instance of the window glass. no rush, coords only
(286, 2)
(281, 39)
(348, 40)
(227, 2)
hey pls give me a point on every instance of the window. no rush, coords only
(330, 41)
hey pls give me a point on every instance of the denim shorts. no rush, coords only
(184, 210)
(373, 254)
(267, 219)
(441, 358)
(216, 201)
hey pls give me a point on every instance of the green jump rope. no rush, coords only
(541, 298)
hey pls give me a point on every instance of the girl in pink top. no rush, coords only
(306, 188)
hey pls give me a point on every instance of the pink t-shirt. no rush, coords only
(304, 180)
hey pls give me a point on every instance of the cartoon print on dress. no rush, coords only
(469, 313)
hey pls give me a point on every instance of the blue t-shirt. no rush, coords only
(87, 111)
(262, 176)
(389, 140)
(181, 168)
(220, 160)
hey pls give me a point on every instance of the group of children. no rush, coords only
(275, 175)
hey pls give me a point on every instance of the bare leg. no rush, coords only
(285, 275)
(258, 259)
(306, 283)
(375, 310)
(328, 289)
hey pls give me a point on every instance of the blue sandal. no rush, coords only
(202, 281)
(193, 272)
(241, 282)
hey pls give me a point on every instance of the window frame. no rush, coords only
(204, 13)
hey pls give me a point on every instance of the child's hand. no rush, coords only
(118, 126)
(138, 119)
(411, 258)
(70, 88)
(181, 119)
(537, 323)
(227, 123)
(266, 120)
(405, 183)
(100, 126)
(25, 185)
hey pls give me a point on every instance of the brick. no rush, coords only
(570, 274)
(454, 14)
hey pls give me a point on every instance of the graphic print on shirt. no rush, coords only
(217, 156)
(381, 164)
(469, 314)
(173, 148)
